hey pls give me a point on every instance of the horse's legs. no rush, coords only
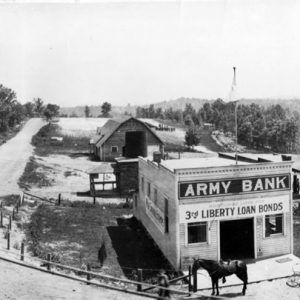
(244, 277)
(217, 285)
(244, 287)
(213, 286)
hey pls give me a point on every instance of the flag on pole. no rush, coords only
(233, 90)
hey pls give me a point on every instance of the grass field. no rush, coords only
(71, 144)
(74, 233)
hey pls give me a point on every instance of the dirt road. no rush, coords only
(14, 155)
(17, 282)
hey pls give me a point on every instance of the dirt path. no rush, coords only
(17, 282)
(14, 155)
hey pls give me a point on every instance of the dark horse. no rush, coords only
(217, 270)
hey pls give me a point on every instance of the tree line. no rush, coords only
(273, 127)
(12, 112)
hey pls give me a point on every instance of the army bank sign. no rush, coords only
(204, 189)
(220, 210)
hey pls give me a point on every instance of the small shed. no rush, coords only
(103, 181)
(126, 137)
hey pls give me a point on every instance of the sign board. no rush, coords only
(198, 189)
(155, 214)
(221, 210)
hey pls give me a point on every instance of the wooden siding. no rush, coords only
(163, 181)
(207, 250)
(276, 244)
(118, 139)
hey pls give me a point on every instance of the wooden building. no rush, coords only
(126, 137)
(212, 208)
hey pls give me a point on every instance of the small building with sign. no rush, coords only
(212, 208)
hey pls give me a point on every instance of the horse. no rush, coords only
(220, 269)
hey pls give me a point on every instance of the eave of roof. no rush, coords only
(117, 123)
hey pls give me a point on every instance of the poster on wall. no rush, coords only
(220, 210)
(155, 214)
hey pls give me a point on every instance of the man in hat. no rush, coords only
(163, 281)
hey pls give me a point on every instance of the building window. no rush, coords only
(155, 196)
(149, 189)
(273, 224)
(142, 184)
(197, 232)
(166, 215)
(114, 149)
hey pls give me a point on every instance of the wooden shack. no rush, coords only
(126, 137)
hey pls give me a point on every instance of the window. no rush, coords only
(149, 189)
(114, 149)
(197, 232)
(155, 196)
(142, 184)
(166, 216)
(273, 224)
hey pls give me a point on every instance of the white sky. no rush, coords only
(143, 52)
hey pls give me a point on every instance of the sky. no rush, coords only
(142, 52)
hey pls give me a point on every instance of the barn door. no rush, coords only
(135, 144)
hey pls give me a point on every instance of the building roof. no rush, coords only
(102, 168)
(194, 163)
(112, 125)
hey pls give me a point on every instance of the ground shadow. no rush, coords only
(136, 249)
(231, 295)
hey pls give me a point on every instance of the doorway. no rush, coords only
(237, 239)
(135, 144)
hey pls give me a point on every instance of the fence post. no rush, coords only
(48, 264)
(140, 279)
(195, 284)
(1, 219)
(59, 199)
(88, 275)
(22, 251)
(8, 240)
(17, 207)
(13, 214)
(190, 278)
(9, 223)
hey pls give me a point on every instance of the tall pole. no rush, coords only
(233, 94)
(236, 136)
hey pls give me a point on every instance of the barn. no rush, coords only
(125, 137)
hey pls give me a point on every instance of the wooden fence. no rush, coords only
(134, 287)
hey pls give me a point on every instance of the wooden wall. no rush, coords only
(118, 139)
(163, 181)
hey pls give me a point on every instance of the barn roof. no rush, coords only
(113, 124)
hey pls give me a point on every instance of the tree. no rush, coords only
(87, 111)
(7, 101)
(29, 109)
(105, 109)
(38, 106)
(51, 111)
(192, 136)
